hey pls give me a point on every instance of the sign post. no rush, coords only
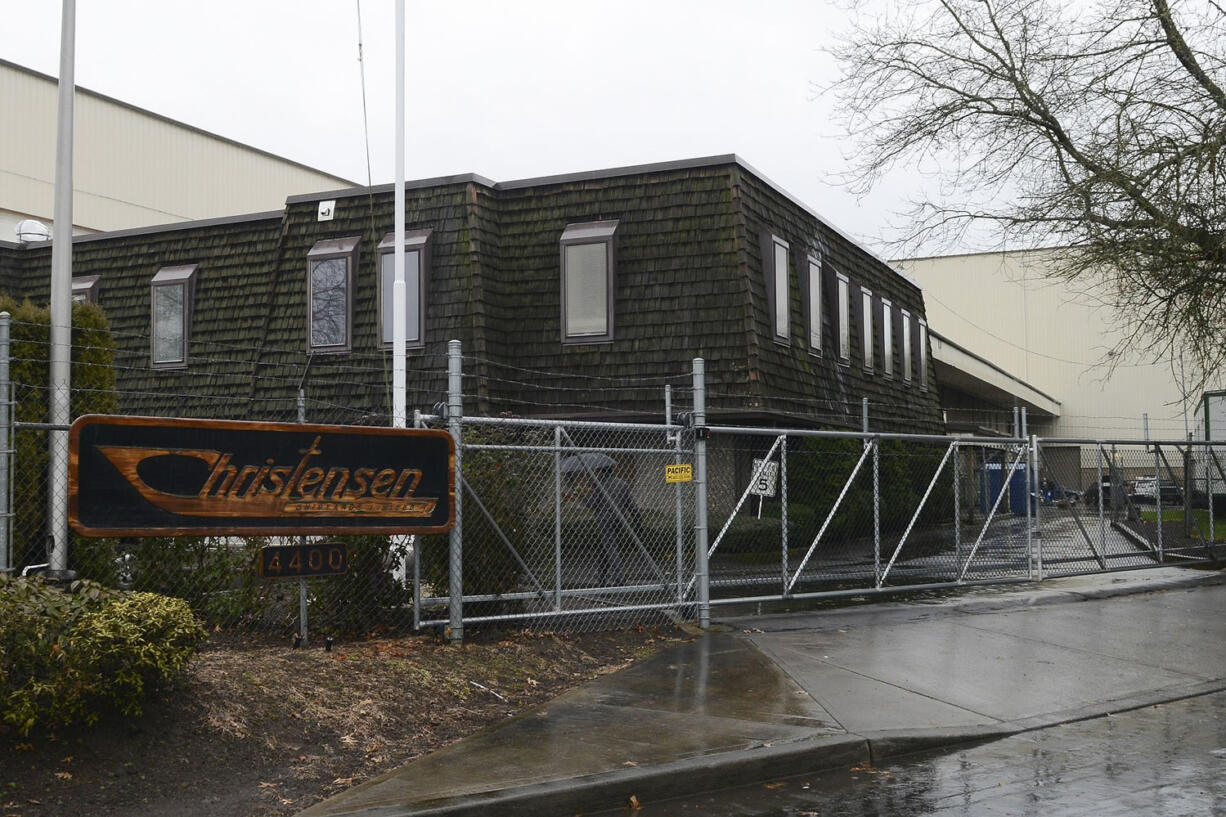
(767, 478)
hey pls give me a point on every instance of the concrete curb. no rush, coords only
(679, 778)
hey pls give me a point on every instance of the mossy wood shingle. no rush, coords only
(690, 282)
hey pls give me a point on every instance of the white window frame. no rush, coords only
(906, 346)
(332, 249)
(582, 234)
(844, 295)
(866, 328)
(815, 305)
(887, 337)
(416, 245)
(183, 278)
(782, 311)
(923, 354)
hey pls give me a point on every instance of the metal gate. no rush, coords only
(564, 520)
(817, 513)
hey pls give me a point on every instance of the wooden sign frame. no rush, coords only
(156, 476)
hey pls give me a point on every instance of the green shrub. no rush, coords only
(131, 643)
(65, 654)
(93, 392)
(749, 534)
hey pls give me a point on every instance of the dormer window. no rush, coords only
(85, 289)
(416, 266)
(330, 266)
(588, 272)
(170, 298)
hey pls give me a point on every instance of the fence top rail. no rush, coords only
(41, 426)
(862, 435)
(584, 424)
(1132, 442)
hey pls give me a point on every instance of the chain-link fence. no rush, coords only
(1124, 504)
(566, 520)
(800, 513)
(580, 524)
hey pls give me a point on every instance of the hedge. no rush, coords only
(68, 655)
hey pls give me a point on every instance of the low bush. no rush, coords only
(65, 655)
(749, 534)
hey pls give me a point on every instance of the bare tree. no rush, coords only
(1096, 128)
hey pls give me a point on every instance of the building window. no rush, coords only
(866, 325)
(906, 345)
(781, 282)
(887, 337)
(330, 266)
(85, 289)
(588, 270)
(170, 298)
(814, 312)
(416, 266)
(844, 318)
(923, 353)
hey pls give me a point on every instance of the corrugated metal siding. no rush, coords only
(131, 167)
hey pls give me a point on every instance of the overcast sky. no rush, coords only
(508, 90)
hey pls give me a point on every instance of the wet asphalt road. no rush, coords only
(1166, 761)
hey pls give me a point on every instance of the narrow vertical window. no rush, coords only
(416, 268)
(330, 269)
(906, 345)
(866, 326)
(923, 353)
(814, 283)
(844, 319)
(170, 299)
(588, 271)
(782, 313)
(887, 337)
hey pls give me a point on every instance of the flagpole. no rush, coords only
(61, 303)
(399, 318)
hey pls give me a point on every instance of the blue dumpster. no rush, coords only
(991, 477)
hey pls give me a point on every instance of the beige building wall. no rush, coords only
(1057, 337)
(132, 168)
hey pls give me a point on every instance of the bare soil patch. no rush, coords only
(254, 729)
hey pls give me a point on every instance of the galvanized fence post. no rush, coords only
(1033, 491)
(455, 415)
(700, 495)
(783, 511)
(876, 444)
(557, 518)
(1158, 489)
(957, 504)
(674, 438)
(6, 459)
(303, 630)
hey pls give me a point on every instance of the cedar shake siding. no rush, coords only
(693, 247)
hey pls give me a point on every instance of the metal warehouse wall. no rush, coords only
(132, 168)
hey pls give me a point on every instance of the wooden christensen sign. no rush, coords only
(150, 476)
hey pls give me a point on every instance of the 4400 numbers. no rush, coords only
(294, 561)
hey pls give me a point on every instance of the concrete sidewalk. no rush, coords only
(783, 694)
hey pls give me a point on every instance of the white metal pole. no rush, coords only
(61, 300)
(399, 397)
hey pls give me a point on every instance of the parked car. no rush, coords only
(1147, 490)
